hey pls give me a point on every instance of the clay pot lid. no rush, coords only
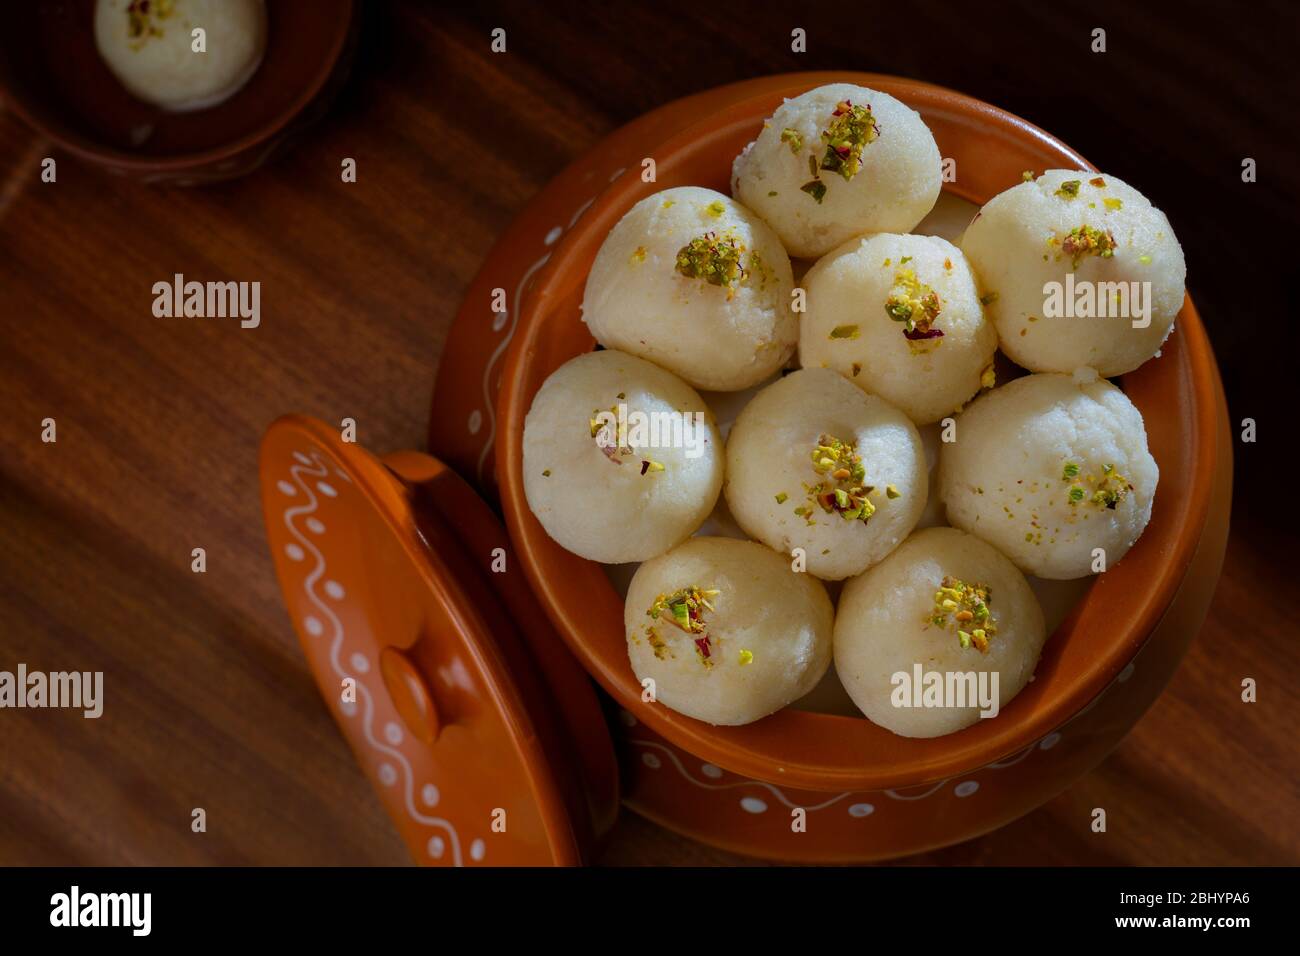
(480, 734)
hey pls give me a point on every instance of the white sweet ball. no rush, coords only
(695, 282)
(1048, 468)
(817, 464)
(867, 297)
(622, 460)
(896, 183)
(1051, 244)
(893, 618)
(757, 635)
(149, 48)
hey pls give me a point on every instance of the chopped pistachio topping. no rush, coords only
(1107, 489)
(1086, 240)
(715, 209)
(965, 608)
(988, 298)
(746, 657)
(892, 492)
(914, 304)
(639, 255)
(684, 609)
(816, 189)
(1145, 260)
(713, 258)
(851, 128)
(546, 473)
(988, 377)
(781, 497)
(1069, 189)
(1112, 204)
(1027, 176)
(856, 369)
(610, 433)
(771, 192)
(143, 16)
(844, 332)
(669, 203)
(842, 489)
(1098, 182)
(793, 138)
(651, 467)
(658, 644)
(759, 267)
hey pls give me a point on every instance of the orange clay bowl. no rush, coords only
(1177, 393)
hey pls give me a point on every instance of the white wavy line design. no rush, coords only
(1012, 761)
(895, 795)
(489, 400)
(681, 768)
(336, 645)
(892, 794)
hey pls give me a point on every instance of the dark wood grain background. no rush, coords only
(210, 702)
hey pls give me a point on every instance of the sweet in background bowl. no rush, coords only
(52, 75)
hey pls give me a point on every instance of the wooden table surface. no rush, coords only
(210, 704)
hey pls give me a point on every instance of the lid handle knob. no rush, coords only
(410, 694)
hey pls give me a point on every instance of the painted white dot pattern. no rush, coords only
(652, 761)
(430, 795)
(1126, 673)
(709, 770)
(360, 664)
(286, 488)
(313, 626)
(753, 805)
(294, 551)
(349, 707)
(861, 810)
(315, 526)
(393, 733)
(966, 788)
(499, 320)
(475, 422)
(302, 459)
(477, 850)
(326, 489)
(387, 775)
(553, 236)
(1050, 741)
(334, 590)
(437, 847)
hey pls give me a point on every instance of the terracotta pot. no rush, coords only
(52, 75)
(508, 743)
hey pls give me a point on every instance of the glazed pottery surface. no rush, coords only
(864, 793)
(840, 761)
